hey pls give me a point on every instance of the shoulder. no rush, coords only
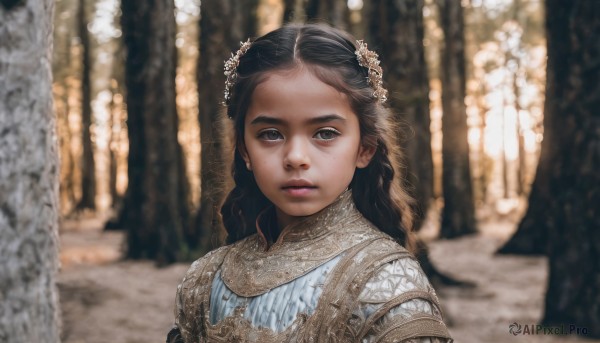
(398, 276)
(387, 296)
(192, 292)
(210, 261)
(393, 271)
(398, 303)
(196, 280)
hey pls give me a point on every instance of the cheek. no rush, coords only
(338, 165)
(264, 163)
(252, 150)
(350, 151)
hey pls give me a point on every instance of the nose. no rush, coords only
(296, 155)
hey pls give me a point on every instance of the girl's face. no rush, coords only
(302, 142)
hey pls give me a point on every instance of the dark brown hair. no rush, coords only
(330, 55)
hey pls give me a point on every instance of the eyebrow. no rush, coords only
(262, 119)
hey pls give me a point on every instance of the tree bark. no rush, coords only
(29, 175)
(88, 174)
(223, 25)
(153, 213)
(400, 34)
(572, 151)
(458, 214)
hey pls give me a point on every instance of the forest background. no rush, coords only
(497, 101)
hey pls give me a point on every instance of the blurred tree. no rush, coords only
(61, 66)
(293, 11)
(484, 161)
(458, 214)
(334, 12)
(223, 25)
(117, 122)
(155, 209)
(504, 157)
(504, 41)
(29, 175)
(397, 28)
(289, 10)
(521, 165)
(567, 184)
(530, 238)
(114, 111)
(88, 174)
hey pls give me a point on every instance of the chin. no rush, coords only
(298, 212)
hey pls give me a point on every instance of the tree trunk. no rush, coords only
(113, 146)
(119, 119)
(293, 11)
(29, 175)
(400, 34)
(521, 171)
(484, 161)
(397, 28)
(88, 174)
(530, 237)
(67, 179)
(458, 215)
(153, 205)
(521, 165)
(504, 156)
(223, 25)
(571, 193)
(334, 12)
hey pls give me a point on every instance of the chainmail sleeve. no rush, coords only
(398, 304)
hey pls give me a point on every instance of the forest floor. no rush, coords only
(105, 299)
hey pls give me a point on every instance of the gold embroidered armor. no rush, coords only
(330, 277)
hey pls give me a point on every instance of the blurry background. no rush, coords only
(144, 153)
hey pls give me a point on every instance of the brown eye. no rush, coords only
(327, 134)
(269, 135)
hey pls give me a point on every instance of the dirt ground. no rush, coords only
(104, 299)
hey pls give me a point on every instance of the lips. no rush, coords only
(298, 188)
(300, 183)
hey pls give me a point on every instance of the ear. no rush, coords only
(242, 149)
(365, 154)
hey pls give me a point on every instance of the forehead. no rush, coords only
(296, 94)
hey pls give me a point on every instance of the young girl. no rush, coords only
(318, 225)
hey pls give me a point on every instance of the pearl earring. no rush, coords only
(248, 165)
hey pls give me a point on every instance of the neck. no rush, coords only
(277, 222)
(283, 220)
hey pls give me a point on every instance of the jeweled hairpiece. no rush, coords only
(231, 68)
(369, 59)
(366, 58)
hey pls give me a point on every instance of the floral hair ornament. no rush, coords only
(370, 60)
(231, 68)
